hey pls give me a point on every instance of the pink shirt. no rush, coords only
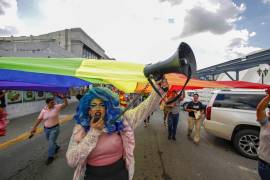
(50, 116)
(108, 150)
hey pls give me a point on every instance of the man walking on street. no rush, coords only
(194, 109)
(50, 116)
(173, 115)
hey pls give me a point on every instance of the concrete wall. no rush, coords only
(22, 109)
(54, 44)
(26, 108)
(79, 35)
(77, 48)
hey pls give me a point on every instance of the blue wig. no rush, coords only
(111, 102)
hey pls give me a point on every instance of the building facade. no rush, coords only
(68, 43)
(65, 43)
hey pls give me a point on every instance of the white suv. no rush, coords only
(231, 115)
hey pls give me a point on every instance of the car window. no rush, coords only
(238, 101)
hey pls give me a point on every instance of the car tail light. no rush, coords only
(208, 113)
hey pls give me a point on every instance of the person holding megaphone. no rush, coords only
(101, 146)
(102, 143)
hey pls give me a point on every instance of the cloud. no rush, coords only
(8, 31)
(199, 19)
(237, 42)
(239, 46)
(171, 20)
(3, 5)
(141, 31)
(11, 24)
(266, 1)
(172, 2)
(252, 34)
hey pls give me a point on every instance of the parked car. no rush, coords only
(231, 115)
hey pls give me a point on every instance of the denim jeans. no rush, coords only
(264, 170)
(172, 124)
(51, 136)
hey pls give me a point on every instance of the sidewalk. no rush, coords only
(19, 126)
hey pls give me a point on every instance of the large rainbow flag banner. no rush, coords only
(71, 72)
(59, 74)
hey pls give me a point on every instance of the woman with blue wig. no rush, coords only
(101, 147)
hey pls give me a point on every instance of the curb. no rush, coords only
(24, 136)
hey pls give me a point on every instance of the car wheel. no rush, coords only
(246, 142)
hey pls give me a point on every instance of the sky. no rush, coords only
(148, 31)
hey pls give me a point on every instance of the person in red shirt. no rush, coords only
(3, 114)
(3, 121)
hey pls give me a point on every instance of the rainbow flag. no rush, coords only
(63, 73)
(71, 72)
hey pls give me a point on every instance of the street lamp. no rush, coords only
(263, 73)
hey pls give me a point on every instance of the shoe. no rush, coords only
(189, 136)
(169, 137)
(197, 143)
(144, 125)
(173, 138)
(49, 160)
(57, 149)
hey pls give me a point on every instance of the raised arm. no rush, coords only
(143, 110)
(65, 102)
(261, 114)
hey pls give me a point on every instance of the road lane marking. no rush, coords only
(247, 169)
(24, 136)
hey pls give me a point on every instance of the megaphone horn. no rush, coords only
(182, 61)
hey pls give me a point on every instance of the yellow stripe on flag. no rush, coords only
(123, 75)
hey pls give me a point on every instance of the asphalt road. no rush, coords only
(156, 157)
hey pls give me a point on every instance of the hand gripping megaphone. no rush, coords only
(182, 61)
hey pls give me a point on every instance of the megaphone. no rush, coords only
(182, 61)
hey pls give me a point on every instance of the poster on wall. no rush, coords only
(28, 96)
(49, 95)
(40, 95)
(14, 97)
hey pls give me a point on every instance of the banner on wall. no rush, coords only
(14, 97)
(49, 95)
(40, 95)
(28, 96)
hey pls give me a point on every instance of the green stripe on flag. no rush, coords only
(60, 66)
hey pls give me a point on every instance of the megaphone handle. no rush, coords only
(130, 105)
(175, 98)
(188, 78)
(154, 87)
